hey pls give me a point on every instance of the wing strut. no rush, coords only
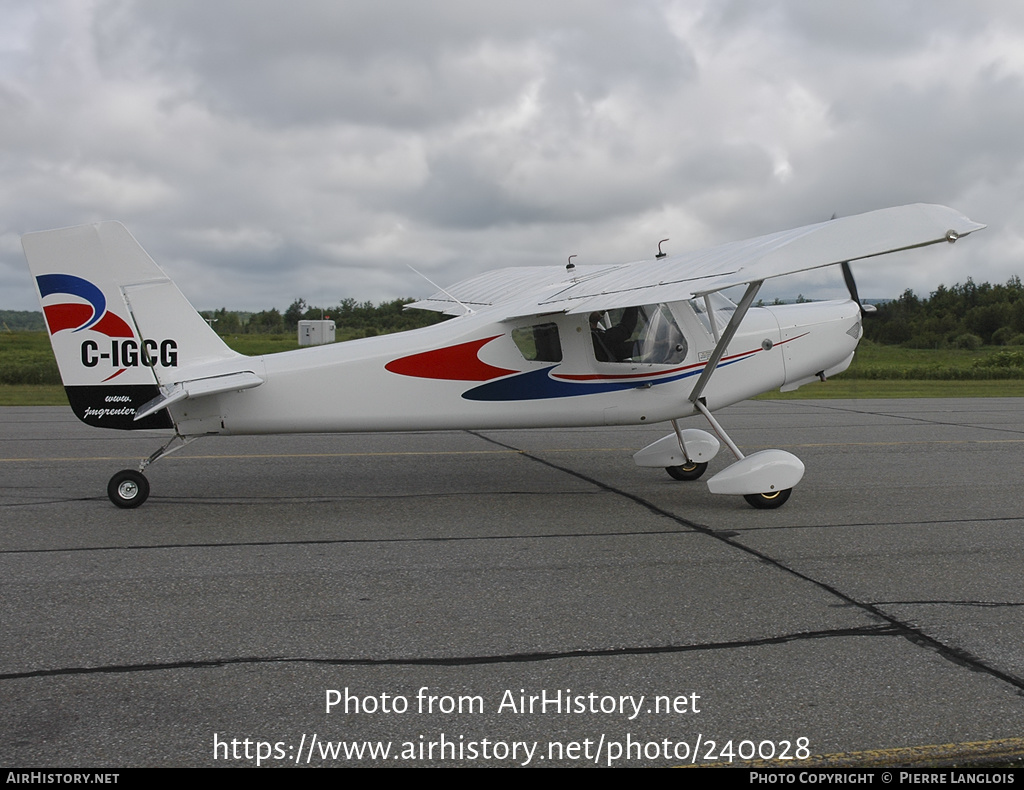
(725, 339)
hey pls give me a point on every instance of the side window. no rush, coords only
(538, 343)
(722, 308)
(646, 334)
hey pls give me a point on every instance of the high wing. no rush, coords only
(530, 290)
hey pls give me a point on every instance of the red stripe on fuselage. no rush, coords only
(455, 363)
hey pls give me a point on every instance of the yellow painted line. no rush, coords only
(89, 458)
(910, 756)
(270, 455)
(352, 455)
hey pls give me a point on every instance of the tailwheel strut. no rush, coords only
(129, 488)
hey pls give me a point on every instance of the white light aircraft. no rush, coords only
(530, 347)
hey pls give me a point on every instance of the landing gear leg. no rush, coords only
(765, 479)
(689, 469)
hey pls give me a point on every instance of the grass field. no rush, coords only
(32, 395)
(28, 372)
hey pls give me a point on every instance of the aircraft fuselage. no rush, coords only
(470, 373)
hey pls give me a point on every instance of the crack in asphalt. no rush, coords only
(955, 655)
(346, 541)
(457, 661)
(291, 500)
(982, 604)
(887, 626)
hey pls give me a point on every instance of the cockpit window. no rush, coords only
(646, 333)
(538, 343)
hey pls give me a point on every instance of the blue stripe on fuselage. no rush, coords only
(538, 385)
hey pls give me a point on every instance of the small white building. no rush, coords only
(316, 333)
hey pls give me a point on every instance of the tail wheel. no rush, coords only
(128, 488)
(688, 471)
(768, 501)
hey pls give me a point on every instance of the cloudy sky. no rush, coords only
(263, 151)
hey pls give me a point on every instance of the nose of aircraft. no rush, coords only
(817, 338)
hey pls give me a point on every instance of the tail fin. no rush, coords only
(119, 327)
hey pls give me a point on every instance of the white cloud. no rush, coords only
(319, 146)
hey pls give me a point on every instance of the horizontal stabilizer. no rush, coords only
(199, 388)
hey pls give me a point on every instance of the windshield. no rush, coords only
(722, 307)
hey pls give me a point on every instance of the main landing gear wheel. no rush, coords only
(128, 488)
(768, 501)
(687, 471)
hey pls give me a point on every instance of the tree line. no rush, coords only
(963, 316)
(352, 318)
(967, 315)
(22, 321)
